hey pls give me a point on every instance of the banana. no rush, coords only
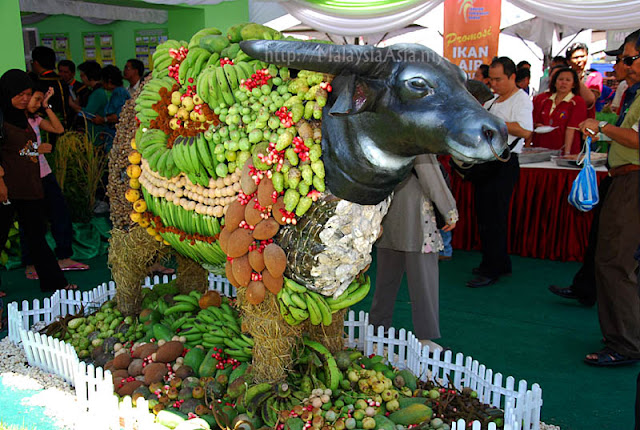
(193, 154)
(214, 60)
(298, 301)
(227, 309)
(241, 73)
(286, 315)
(159, 54)
(246, 68)
(202, 86)
(299, 314)
(225, 90)
(205, 155)
(247, 339)
(179, 308)
(162, 163)
(255, 390)
(285, 297)
(200, 62)
(355, 297)
(153, 160)
(163, 65)
(332, 372)
(294, 286)
(182, 71)
(214, 90)
(186, 299)
(231, 75)
(314, 313)
(323, 307)
(178, 323)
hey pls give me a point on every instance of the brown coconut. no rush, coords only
(121, 361)
(239, 242)
(266, 229)
(275, 211)
(155, 372)
(145, 350)
(184, 372)
(229, 274)
(256, 260)
(109, 365)
(210, 298)
(223, 238)
(275, 260)
(135, 367)
(247, 183)
(241, 270)
(252, 215)
(235, 214)
(255, 292)
(168, 352)
(265, 192)
(128, 388)
(272, 284)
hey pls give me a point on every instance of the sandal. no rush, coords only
(76, 265)
(608, 357)
(30, 273)
(159, 270)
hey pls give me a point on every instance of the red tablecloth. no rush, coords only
(542, 224)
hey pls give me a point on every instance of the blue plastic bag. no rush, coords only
(584, 191)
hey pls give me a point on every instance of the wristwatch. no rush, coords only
(601, 125)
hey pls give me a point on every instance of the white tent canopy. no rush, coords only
(92, 11)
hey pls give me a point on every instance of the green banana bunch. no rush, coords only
(298, 304)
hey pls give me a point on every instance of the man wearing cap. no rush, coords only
(590, 85)
(619, 225)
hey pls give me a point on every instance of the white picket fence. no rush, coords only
(98, 404)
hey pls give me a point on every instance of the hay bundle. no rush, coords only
(331, 336)
(275, 340)
(130, 254)
(191, 276)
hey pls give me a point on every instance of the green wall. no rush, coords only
(183, 23)
(11, 33)
(123, 34)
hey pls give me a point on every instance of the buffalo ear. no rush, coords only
(353, 95)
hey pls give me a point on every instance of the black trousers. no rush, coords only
(492, 199)
(584, 281)
(57, 214)
(30, 216)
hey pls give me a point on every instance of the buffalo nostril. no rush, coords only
(488, 134)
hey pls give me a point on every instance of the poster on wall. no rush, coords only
(98, 47)
(59, 42)
(146, 43)
(471, 31)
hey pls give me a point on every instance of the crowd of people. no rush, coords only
(559, 117)
(36, 108)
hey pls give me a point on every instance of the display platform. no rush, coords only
(542, 224)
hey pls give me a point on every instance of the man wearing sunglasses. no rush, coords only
(619, 225)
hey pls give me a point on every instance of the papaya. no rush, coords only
(406, 401)
(162, 332)
(410, 380)
(234, 32)
(412, 414)
(170, 419)
(208, 366)
(214, 43)
(194, 358)
(230, 51)
(383, 423)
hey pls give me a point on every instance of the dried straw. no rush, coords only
(275, 340)
(331, 336)
(191, 276)
(130, 254)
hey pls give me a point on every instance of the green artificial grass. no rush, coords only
(515, 327)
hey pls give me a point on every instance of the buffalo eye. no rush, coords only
(419, 86)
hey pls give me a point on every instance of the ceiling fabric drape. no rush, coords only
(94, 10)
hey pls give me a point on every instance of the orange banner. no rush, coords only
(471, 30)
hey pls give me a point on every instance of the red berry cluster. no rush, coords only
(314, 194)
(288, 217)
(260, 245)
(226, 60)
(191, 90)
(147, 360)
(300, 148)
(178, 403)
(222, 358)
(256, 174)
(285, 116)
(326, 86)
(259, 78)
(244, 199)
(273, 157)
(246, 225)
(127, 379)
(178, 54)
(256, 276)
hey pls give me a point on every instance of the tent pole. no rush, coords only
(572, 39)
(525, 44)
